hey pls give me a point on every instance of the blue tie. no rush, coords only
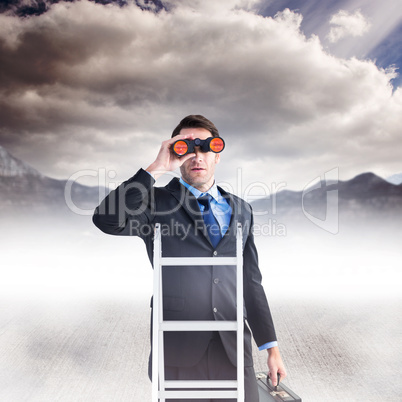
(213, 228)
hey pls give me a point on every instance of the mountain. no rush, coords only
(395, 178)
(364, 200)
(25, 190)
(12, 167)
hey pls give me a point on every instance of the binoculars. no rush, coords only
(213, 144)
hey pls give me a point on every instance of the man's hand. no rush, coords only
(275, 365)
(166, 160)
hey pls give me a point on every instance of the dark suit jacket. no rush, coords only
(191, 293)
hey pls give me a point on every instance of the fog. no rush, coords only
(74, 317)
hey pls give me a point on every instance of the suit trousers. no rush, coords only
(214, 365)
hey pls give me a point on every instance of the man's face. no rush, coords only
(199, 171)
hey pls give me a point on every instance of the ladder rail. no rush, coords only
(155, 315)
(240, 319)
(228, 389)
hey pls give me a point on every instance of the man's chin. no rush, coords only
(198, 177)
(196, 181)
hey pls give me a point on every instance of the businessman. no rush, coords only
(198, 219)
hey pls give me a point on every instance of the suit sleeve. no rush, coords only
(128, 208)
(258, 312)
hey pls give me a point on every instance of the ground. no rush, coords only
(74, 318)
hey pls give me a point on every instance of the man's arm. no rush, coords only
(131, 201)
(258, 312)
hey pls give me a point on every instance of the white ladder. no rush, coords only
(223, 389)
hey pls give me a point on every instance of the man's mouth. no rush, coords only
(197, 169)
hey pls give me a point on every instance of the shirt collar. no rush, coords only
(213, 191)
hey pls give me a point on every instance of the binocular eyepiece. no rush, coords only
(211, 144)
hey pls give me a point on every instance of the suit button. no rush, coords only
(215, 253)
(215, 310)
(216, 281)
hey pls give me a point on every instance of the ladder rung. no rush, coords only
(207, 394)
(198, 326)
(201, 384)
(192, 261)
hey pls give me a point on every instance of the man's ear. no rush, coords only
(217, 158)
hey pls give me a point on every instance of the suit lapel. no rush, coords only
(241, 213)
(233, 218)
(189, 203)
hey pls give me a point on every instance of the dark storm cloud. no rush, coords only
(30, 8)
(102, 86)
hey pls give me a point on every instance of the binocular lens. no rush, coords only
(216, 145)
(180, 147)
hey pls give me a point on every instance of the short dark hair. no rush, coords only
(196, 121)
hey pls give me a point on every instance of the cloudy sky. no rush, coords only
(296, 88)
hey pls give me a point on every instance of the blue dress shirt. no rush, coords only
(219, 206)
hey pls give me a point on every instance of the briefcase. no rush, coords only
(268, 394)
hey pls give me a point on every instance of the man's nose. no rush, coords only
(198, 153)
